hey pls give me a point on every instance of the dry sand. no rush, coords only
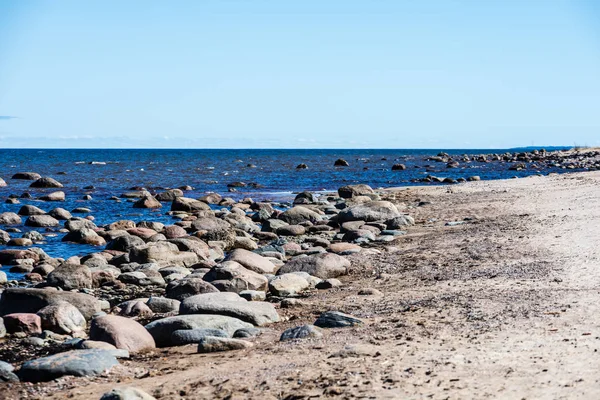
(504, 306)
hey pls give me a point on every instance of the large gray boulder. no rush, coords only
(74, 362)
(187, 287)
(29, 300)
(60, 213)
(28, 210)
(400, 222)
(215, 229)
(301, 332)
(349, 191)
(369, 212)
(46, 182)
(10, 218)
(125, 243)
(162, 329)
(84, 236)
(188, 205)
(299, 214)
(71, 276)
(231, 276)
(41, 221)
(188, 336)
(163, 253)
(323, 265)
(163, 305)
(28, 176)
(148, 201)
(224, 303)
(212, 344)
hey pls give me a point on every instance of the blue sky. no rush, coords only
(299, 74)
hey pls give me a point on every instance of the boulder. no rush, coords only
(60, 214)
(142, 278)
(174, 231)
(74, 362)
(215, 229)
(125, 243)
(148, 201)
(189, 336)
(23, 242)
(252, 261)
(29, 300)
(71, 276)
(287, 285)
(211, 198)
(144, 233)
(349, 191)
(188, 205)
(84, 236)
(27, 323)
(12, 256)
(123, 333)
(336, 319)
(169, 195)
(340, 162)
(6, 373)
(400, 221)
(233, 277)
(41, 221)
(162, 253)
(323, 265)
(54, 196)
(299, 214)
(122, 225)
(76, 223)
(62, 318)
(230, 304)
(163, 305)
(28, 176)
(46, 183)
(291, 230)
(28, 210)
(369, 212)
(135, 308)
(162, 329)
(187, 287)
(10, 218)
(211, 344)
(301, 332)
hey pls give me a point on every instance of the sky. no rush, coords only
(299, 73)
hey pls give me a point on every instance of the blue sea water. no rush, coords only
(115, 171)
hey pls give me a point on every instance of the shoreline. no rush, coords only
(439, 306)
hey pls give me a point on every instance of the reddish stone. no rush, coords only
(23, 322)
(144, 233)
(34, 277)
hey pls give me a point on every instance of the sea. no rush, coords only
(269, 174)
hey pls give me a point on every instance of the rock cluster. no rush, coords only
(213, 278)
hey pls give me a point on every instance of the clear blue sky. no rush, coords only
(302, 73)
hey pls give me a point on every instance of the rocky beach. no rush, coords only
(451, 286)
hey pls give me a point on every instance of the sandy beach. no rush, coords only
(491, 294)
